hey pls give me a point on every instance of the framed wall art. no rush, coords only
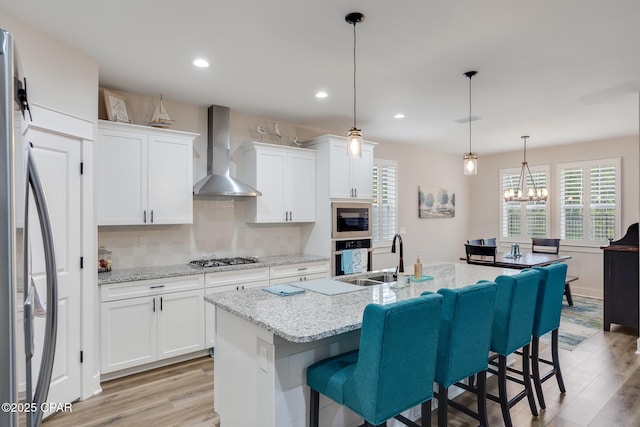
(436, 202)
(116, 107)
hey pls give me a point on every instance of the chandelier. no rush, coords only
(521, 193)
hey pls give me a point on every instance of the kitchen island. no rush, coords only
(265, 342)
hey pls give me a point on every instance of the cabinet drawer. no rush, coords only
(140, 288)
(304, 269)
(223, 278)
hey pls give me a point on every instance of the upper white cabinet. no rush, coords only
(349, 178)
(286, 177)
(143, 175)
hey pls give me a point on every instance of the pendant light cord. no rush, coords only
(354, 75)
(470, 76)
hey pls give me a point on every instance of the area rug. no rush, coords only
(578, 322)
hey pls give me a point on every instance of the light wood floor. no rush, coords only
(602, 377)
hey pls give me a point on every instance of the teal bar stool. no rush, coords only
(512, 326)
(547, 319)
(392, 371)
(463, 346)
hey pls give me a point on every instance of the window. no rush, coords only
(588, 194)
(385, 200)
(520, 221)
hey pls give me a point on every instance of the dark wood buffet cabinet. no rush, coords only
(621, 280)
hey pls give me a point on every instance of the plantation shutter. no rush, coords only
(384, 209)
(602, 202)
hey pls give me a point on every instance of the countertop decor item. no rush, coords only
(354, 137)
(116, 106)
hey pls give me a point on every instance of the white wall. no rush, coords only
(586, 262)
(432, 239)
(58, 77)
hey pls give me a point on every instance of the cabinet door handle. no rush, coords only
(160, 303)
(351, 190)
(302, 268)
(355, 191)
(151, 216)
(144, 216)
(154, 305)
(156, 286)
(290, 216)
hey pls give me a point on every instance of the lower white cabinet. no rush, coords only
(223, 281)
(150, 320)
(292, 273)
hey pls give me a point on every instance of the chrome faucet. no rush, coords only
(400, 267)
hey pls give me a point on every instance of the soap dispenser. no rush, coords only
(417, 269)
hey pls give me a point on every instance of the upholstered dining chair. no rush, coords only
(491, 241)
(463, 346)
(547, 319)
(392, 371)
(512, 325)
(475, 242)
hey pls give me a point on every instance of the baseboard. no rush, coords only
(153, 365)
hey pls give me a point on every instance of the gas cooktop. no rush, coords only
(220, 262)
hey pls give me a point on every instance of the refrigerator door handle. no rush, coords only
(51, 322)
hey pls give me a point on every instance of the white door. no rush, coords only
(301, 183)
(180, 323)
(271, 167)
(58, 159)
(361, 174)
(340, 185)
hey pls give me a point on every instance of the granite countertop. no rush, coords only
(160, 272)
(312, 316)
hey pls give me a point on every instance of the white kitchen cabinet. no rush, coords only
(223, 281)
(286, 178)
(292, 273)
(143, 175)
(150, 320)
(349, 178)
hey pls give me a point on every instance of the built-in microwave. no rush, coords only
(350, 220)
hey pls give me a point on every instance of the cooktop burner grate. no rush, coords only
(219, 262)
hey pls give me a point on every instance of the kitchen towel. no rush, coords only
(355, 260)
(283, 290)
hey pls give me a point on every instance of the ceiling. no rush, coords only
(560, 71)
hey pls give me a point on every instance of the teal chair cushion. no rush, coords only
(550, 294)
(394, 368)
(514, 311)
(465, 332)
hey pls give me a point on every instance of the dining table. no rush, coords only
(524, 260)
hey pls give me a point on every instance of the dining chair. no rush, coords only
(512, 325)
(392, 371)
(475, 242)
(463, 346)
(552, 246)
(480, 254)
(547, 319)
(491, 241)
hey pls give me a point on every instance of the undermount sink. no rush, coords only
(374, 280)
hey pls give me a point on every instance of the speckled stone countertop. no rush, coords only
(312, 316)
(160, 272)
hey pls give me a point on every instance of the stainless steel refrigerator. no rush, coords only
(19, 182)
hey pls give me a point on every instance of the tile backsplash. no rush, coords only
(219, 229)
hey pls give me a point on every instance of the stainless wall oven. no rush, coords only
(339, 246)
(350, 220)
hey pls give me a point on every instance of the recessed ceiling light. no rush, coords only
(399, 116)
(201, 63)
(321, 94)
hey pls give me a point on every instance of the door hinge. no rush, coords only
(81, 262)
(81, 168)
(81, 356)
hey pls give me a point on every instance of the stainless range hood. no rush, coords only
(218, 182)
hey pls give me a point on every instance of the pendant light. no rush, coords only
(354, 137)
(470, 161)
(521, 193)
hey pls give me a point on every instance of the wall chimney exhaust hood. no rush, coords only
(218, 182)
